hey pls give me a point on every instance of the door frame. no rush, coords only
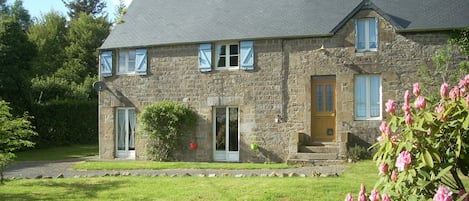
(127, 153)
(226, 155)
(323, 79)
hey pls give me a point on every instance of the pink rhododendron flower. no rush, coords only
(385, 197)
(462, 92)
(420, 102)
(454, 93)
(362, 194)
(408, 119)
(440, 108)
(407, 96)
(416, 89)
(462, 83)
(443, 194)
(403, 160)
(383, 168)
(394, 176)
(406, 108)
(391, 106)
(375, 195)
(444, 90)
(467, 78)
(349, 197)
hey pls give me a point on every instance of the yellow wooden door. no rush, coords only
(323, 109)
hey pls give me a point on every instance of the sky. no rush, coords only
(38, 7)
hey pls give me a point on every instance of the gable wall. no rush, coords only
(279, 87)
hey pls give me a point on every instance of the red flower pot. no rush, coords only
(193, 145)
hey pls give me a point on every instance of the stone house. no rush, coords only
(299, 78)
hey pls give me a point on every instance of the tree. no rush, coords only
(85, 35)
(121, 9)
(14, 135)
(16, 53)
(48, 33)
(89, 7)
(18, 12)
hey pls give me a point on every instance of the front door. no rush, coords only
(226, 135)
(125, 136)
(323, 109)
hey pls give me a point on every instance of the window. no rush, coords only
(368, 97)
(132, 61)
(125, 136)
(366, 34)
(227, 56)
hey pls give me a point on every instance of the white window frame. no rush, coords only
(124, 68)
(228, 55)
(366, 33)
(368, 97)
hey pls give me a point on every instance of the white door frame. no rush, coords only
(128, 152)
(230, 154)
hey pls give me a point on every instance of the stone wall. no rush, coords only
(278, 88)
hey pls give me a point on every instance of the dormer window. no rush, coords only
(366, 34)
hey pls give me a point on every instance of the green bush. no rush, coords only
(165, 124)
(66, 122)
(357, 152)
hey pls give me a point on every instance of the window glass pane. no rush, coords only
(131, 129)
(131, 64)
(234, 61)
(233, 49)
(122, 61)
(360, 96)
(222, 50)
(233, 132)
(221, 61)
(329, 98)
(361, 40)
(220, 118)
(121, 130)
(372, 33)
(320, 98)
(375, 82)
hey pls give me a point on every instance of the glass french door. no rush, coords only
(125, 136)
(226, 135)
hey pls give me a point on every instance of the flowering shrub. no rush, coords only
(422, 148)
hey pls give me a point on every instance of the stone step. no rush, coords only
(304, 163)
(319, 149)
(314, 156)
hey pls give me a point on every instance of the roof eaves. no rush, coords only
(415, 30)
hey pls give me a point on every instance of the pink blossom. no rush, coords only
(383, 168)
(385, 129)
(454, 93)
(349, 197)
(467, 100)
(375, 195)
(462, 83)
(406, 108)
(385, 197)
(380, 138)
(391, 106)
(467, 78)
(362, 194)
(394, 176)
(420, 102)
(443, 194)
(408, 119)
(444, 90)
(407, 96)
(403, 160)
(440, 108)
(416, 89)
(394, 140)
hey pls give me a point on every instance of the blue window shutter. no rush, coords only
(141, 61)
(106, 63)
(205, 57)
(247, 55)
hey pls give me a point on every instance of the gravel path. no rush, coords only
(59, 169)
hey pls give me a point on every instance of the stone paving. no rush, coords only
(62, 169)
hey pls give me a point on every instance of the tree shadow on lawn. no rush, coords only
(56, 189)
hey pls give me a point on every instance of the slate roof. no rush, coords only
(160, 22)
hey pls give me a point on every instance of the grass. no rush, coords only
(150, 165)
(193, 188)
(58, 153)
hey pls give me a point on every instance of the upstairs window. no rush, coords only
(132, 61)
(366, 34)
(227, 56)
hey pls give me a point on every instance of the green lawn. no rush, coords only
(193, 188)
(151, 165)
(58, 153)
